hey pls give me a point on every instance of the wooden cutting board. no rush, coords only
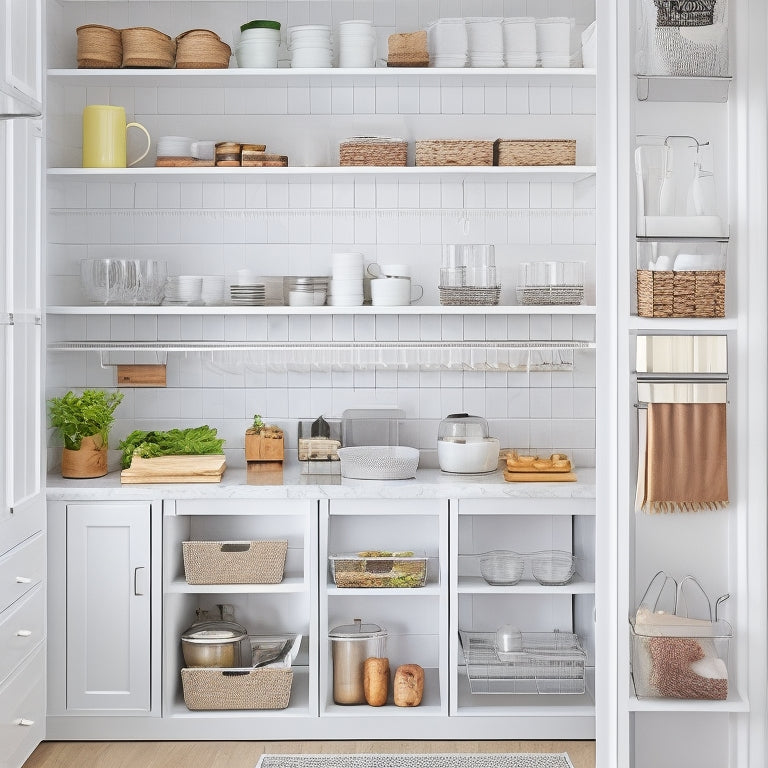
(176, 469)
(539, 477)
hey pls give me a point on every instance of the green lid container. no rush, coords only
(260, 24)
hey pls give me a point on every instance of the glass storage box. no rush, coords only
(377, 568)
(549, 662)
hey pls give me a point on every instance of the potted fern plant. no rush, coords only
(84, 421)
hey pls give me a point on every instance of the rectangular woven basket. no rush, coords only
(454, 152)
(214, 688)
(372, 151)
(681, 294)
(534, 152)
(234, 562)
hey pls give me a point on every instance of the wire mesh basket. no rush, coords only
(501, 567)
(549, 663)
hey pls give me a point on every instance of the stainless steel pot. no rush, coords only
(351, 645)
(216, 644)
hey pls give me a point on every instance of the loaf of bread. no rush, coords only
(408, 686)
(376, 681)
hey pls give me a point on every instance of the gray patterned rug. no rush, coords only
(431, 760)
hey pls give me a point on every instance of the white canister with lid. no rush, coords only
(464, 447)
(351, 645)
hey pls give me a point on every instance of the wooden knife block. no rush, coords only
(259, 448)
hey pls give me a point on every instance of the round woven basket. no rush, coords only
(201, 49)
(99, 47)
(147, 47)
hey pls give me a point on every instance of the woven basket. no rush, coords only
(469, 296)
(550, 294)
(211, 688)
(147, 47)
(201, 49)
(534, 152)
(372, 150)
(234, 562)
(99, 47)
(681, 294)
(408, 49)
(454, 152)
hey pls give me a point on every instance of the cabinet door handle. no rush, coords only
(23, 580)
(139, 585)
(25, 721)
(24, 633)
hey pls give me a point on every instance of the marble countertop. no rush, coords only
(275, 481)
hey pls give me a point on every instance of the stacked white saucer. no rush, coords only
(253, 295)
(345, 288)
(183, 289)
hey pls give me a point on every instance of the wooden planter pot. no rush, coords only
(89, 461)
(260, 448)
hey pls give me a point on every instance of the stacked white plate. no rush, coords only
(183, 289)
(519, 34)
(310, 46)
(485, 42)
(345, 288)
(357, 44)
(447, 40)
(212, 292)
(254, 295)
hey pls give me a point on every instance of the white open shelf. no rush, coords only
(428, 589)
(683, 324)
(289, 584)
(476, 585)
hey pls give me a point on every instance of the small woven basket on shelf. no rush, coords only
(373, 150)
(534, 152)
(201, 49)
(234, 562)
(147, 47)
(99, 47)
(214, 688)
(550, 294)
(454, 152)
(681, 294)
(469, 296)
(408, 49)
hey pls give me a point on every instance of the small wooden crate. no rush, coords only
(681, 294)
(246, 688)
(454, 152)
(234, 562)
(534, 152)
(261, 448)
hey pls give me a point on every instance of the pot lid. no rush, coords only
(357, 631)
(212, 632)
(461, 427)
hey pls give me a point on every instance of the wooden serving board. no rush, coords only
(183, 162)
(175, 469)
(539, 477)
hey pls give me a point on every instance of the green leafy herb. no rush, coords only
(79, 416)
(175, 442)
(258, 423)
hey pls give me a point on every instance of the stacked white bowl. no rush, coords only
(519, 33)
(357, 43)
(212, 291)
(447, 40)
(345, 288)
(485, 42)
(259, 41)
(553, 41)
(310, 46)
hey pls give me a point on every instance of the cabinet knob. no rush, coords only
(24, 633)
(23, 580)
(25, 721)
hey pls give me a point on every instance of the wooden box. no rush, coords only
(262, 448)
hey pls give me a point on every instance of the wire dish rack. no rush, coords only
(548, 662)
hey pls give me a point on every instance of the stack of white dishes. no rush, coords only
(345, 288)
(253, 295)
(212, 292)
(519, 35)
(448, 45)
(259, 41)
(273, 286)
(553, 41)
(184, 289)
(304, 291)
(485, 42)
(357, 44)
(174, 146)
(310, 46)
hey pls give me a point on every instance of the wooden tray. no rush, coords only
(539, 477)
(176, 469)
(557, 463)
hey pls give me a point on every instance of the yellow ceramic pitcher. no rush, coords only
(104, 137)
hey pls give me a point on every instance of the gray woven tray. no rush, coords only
(430, 760)
(469, 296)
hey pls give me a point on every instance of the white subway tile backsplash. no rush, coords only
(364, 99)
(298, 100)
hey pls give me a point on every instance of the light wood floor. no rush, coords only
(245, 754)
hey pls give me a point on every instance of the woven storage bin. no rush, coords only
(469, 296)
(212, 688)
(99, 47)
(454, 152)
(681, 294)
(365, 150)
(201, 49)
(408, 49)
(234, 562)
(534, 152)
(147, 47)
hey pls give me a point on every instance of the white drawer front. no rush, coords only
(22, 628)
(22, 711)
(23, 523)
(21, 570)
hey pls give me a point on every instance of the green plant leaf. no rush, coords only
(78, 416)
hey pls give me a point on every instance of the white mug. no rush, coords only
(394, 291)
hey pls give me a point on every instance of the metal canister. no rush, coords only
(351, 645)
